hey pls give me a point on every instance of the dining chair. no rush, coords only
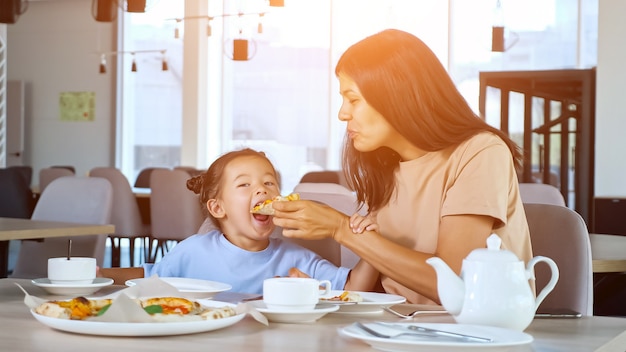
(49, 174)
(343, 200)
(67, 199)
(143, 178)
(175, 211)
(192, 171)
(541, 193)
(125, 216)
(16, 196)
(327, 176)
(560, 233)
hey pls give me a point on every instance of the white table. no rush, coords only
(21, 332)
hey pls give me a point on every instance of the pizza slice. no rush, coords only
(266, 208)
(162, 309)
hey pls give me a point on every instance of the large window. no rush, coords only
(285, 99)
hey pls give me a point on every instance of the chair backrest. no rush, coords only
(49, 174)
(327, 176)
(16, 197)
(143, 179)
(125, 214)
(175, 211)
(343, 200)
(67, 199)
(192, 171)
(541, 193)
(25, 171)
(560, 233)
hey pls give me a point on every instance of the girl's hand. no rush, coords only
(295, 272)
(359, 223)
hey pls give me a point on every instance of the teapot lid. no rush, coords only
(492, 253)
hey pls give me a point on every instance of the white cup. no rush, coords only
(73, 271)
(294, 293)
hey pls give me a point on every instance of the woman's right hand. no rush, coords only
(308, 219)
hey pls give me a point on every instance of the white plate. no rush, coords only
(503, 339)
(141, 329)
(82, 289)
(193, 288)
(308, 316)
(372, 302)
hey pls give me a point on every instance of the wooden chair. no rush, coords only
(560, 233)
(321, 177)
(67, 199)
(125, 215)
(541, 193)
(175, 211)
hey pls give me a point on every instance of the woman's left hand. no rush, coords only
(308, 219)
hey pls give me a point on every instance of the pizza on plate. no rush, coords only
(265, 208)
(346, 296)
(162, 309)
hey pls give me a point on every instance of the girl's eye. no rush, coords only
(244, 185)
(269, 183)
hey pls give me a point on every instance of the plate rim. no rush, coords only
(408, 343)
(103, 281)
(129, 329)
(224, 286)
(328, 309)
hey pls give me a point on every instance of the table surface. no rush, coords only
(19, 229)
(24, 229)
(20, 331)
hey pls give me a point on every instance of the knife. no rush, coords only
(436, 332)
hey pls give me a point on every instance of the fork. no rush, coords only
(406, 333)
(414, 313)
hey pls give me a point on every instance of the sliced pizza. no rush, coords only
(346, 296)
(266, 208)
(162, 309)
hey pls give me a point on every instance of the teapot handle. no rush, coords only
(553, 280)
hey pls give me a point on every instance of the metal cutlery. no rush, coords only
(414, 313)
(426, 333)
(436, 332)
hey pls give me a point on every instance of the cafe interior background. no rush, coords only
(164, 87)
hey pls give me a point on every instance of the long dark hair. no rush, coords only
(403, 80)
(207, 184)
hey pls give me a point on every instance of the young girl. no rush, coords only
(239, 251)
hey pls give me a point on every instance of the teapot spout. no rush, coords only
(451, 287)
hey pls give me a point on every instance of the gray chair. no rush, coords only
(560, 233)
(125, 215)
(541, 193)
(175, 211)
(67, 199)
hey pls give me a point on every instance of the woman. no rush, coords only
(436, 178)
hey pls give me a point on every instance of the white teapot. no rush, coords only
(493, 288)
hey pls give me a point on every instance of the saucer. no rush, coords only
(83, 289)
(307, 316)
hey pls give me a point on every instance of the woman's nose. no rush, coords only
(343, 115)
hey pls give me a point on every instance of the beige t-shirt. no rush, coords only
(477, 177)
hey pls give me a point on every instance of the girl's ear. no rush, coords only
(215, 208)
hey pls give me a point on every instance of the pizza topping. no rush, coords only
(347, 296)
(266, 208)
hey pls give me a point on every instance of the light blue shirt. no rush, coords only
(212, 257)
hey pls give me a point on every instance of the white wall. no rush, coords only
(52, 49)
(610, 163)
